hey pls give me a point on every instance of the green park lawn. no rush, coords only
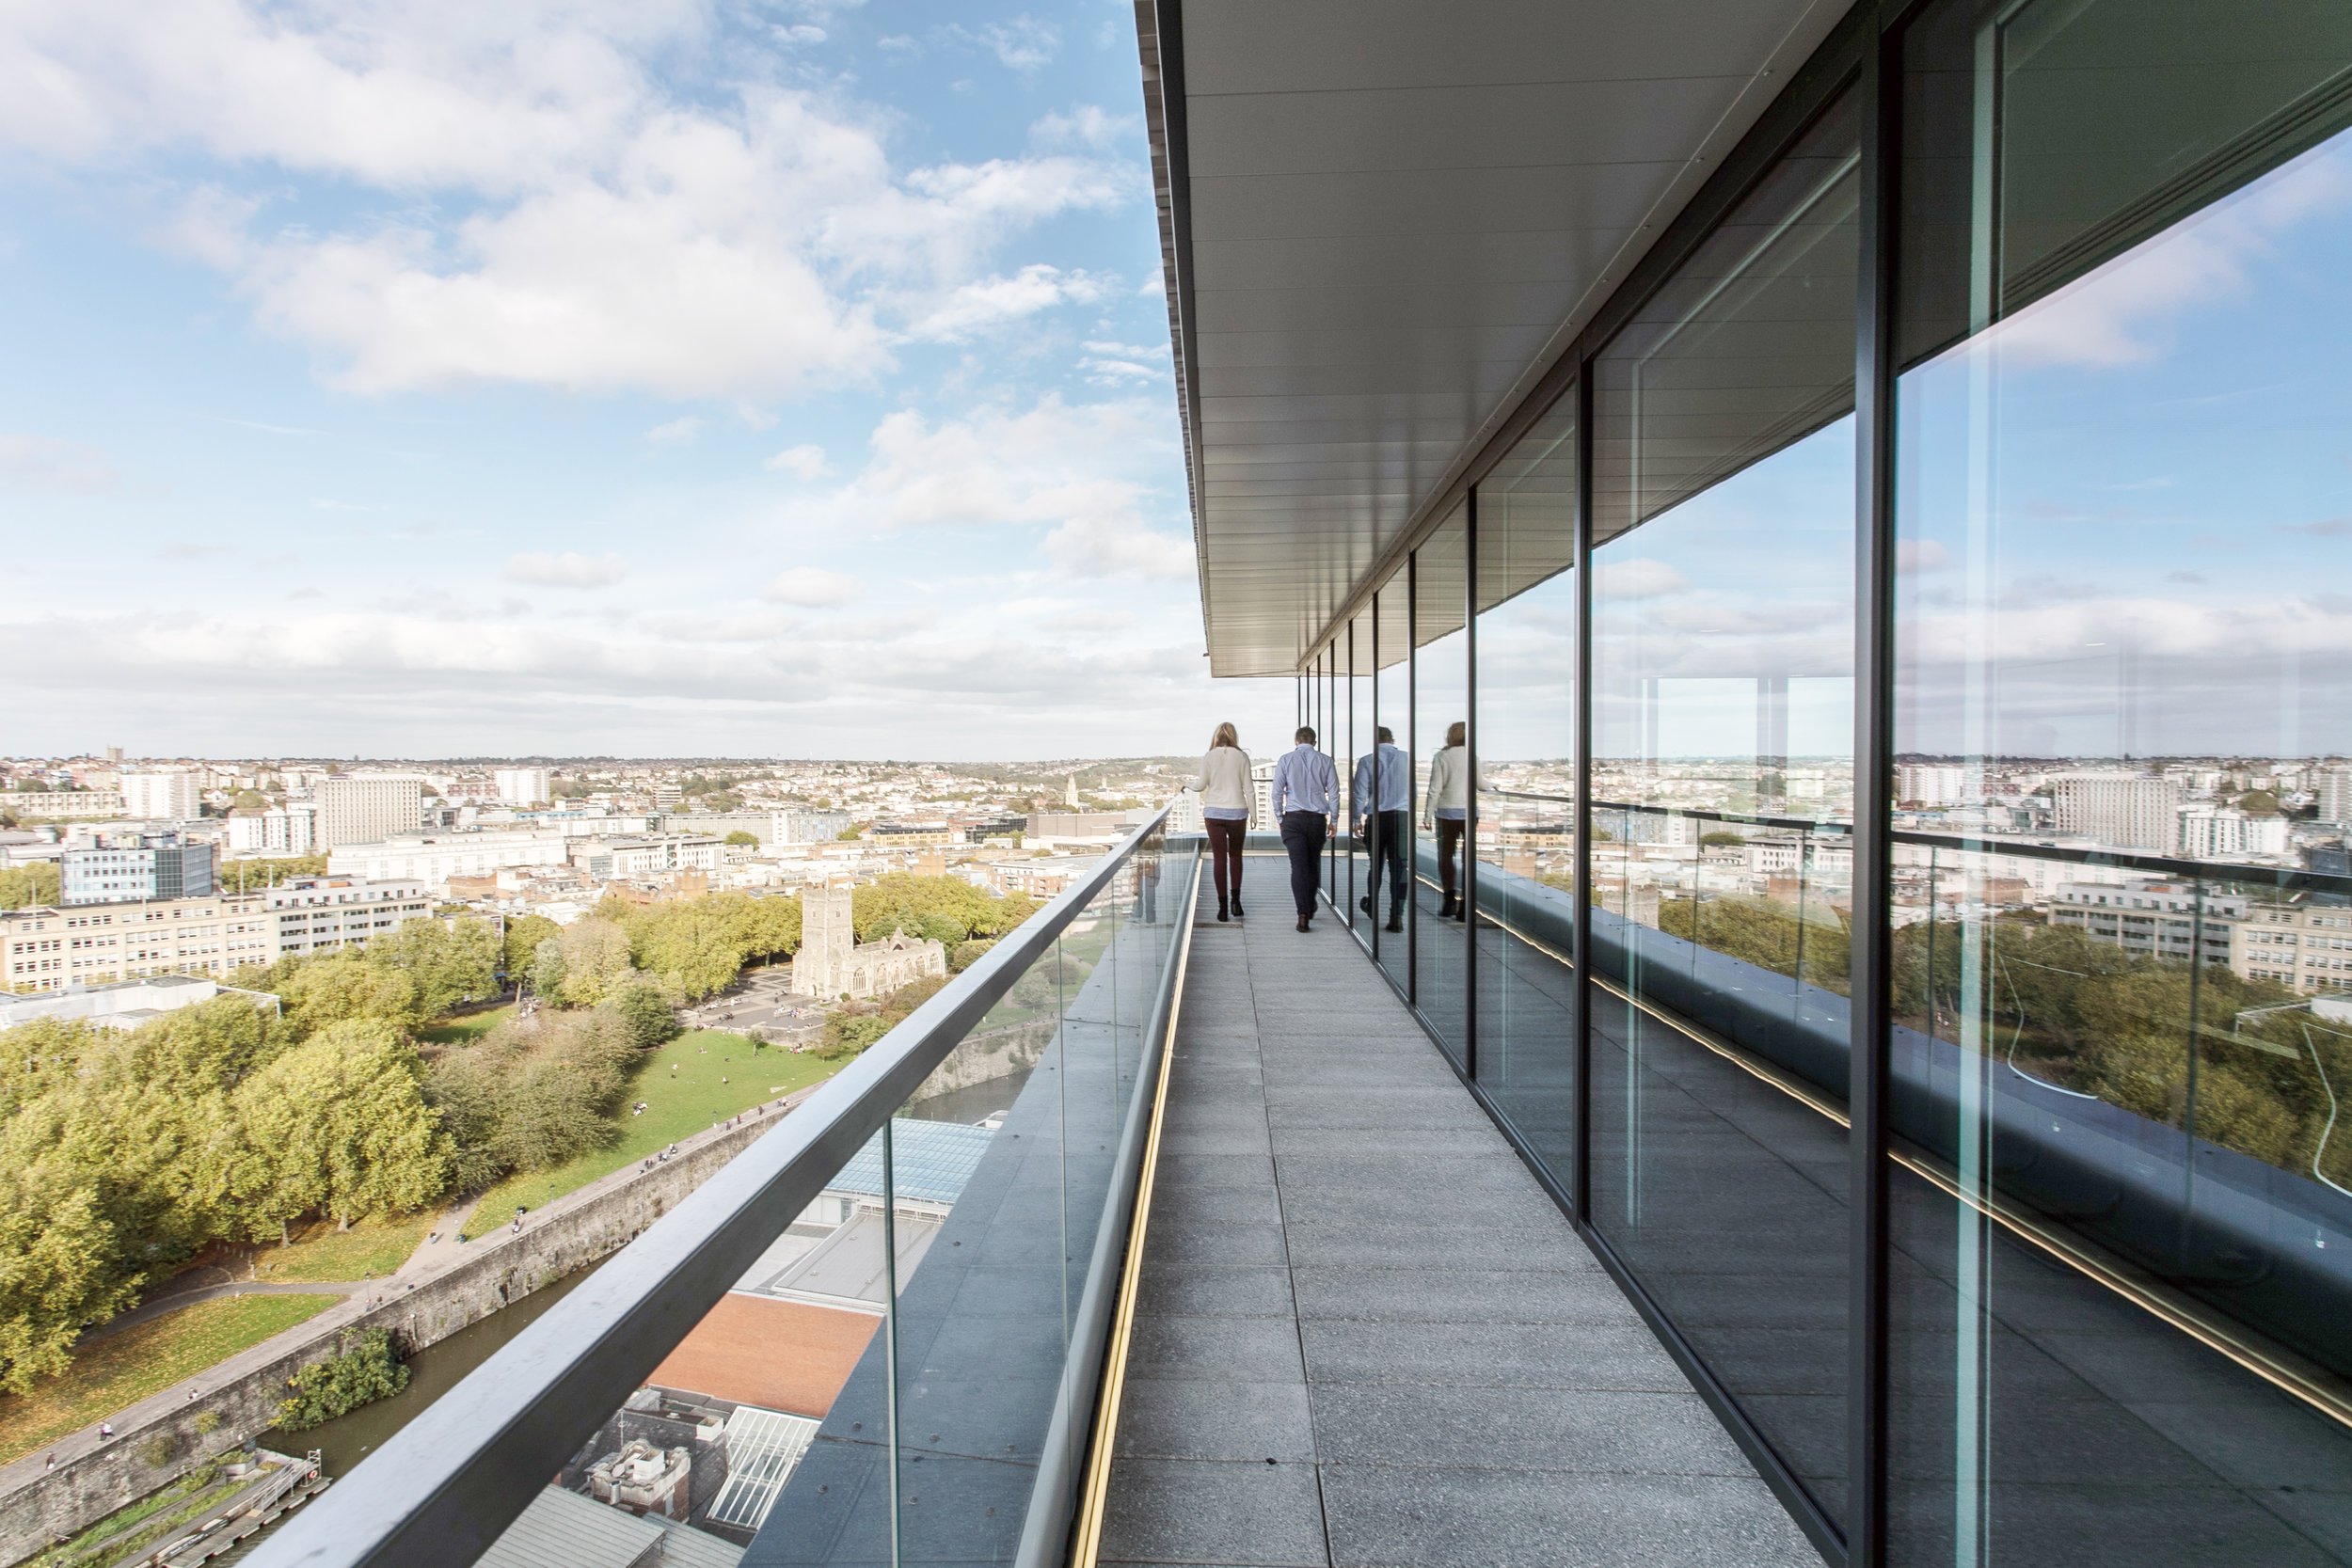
(124, 1368)
(467, 1029)
(678, 1103)
(372, 1248)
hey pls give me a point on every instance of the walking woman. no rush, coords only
(1227, 800)
(1447, 807)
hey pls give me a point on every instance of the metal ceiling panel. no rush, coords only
(1382, 221)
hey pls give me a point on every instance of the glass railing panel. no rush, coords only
(898, 1367)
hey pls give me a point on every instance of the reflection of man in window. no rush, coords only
(1384, 779)
(1448, 809)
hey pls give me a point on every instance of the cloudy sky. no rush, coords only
(639, 377)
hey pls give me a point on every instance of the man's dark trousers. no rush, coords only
(1392, 828)
(1302, 835)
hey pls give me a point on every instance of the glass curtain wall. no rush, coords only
(2125, 318)
(1525, 785)
(1723, 465)
(1440, 752)
(1388, 798)
(1356, 847)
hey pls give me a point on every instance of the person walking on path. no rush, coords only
(1306, 797)
(1447, 807)
(1383, 803)
(1226, 805)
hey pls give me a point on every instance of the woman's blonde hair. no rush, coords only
(1457, 733)
(1226, 736)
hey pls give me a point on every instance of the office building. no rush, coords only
(309, 915)
(130, 869)
(432, 859)
(162, 794)
(2333, 788)
(649, 855)
(363, 808)
(811, 827)
(54, 950)
(524, 787)
(2123, 811)
(62, 804)
(1679, 397)
(1932, 785)
(2161, 920)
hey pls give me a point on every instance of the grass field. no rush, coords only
(125, 1367)
(371, 1249)
(461, 1030)
(678, 1103)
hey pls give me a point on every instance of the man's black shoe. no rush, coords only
(1302, 922)
(1396, 922)
(1365, 903)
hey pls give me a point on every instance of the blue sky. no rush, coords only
(615, 375)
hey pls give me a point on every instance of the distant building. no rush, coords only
(2309, 947)
(1932, 784)
(432, 859)
(2333, 788)
(291, 829)
(831, 962)
(162, 794)
(2158, 920)
(125, 1004)
(154, 867)
(363, 808)
(312, 914)
(650, 855)
(2225, 833)
(79, 805)
(524, 787)
(53, 949)
(2125, 811)
(811, 827)
(668, 795)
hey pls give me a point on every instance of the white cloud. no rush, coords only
(1111, 364)
(1085, 125)
(535, 203)
(805, 461)
(1023, 43)
(567, 569)
(1643, 577)
(677, 431)
(46, 462)
(813, 588)
(995, 301)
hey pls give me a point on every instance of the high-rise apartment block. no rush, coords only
(133, 871)
(524, 787)
(2225, 833)
(162, 794)
(291, 829)
(2124, 811)
(2333, 785)
(364, 808)
(1932, 784)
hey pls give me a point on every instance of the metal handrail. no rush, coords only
(447, 1485)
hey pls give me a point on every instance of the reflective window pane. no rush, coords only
(2122, 1307)
(1440, 751)
(1386, 768)
(1722, 722)
(1526, 786)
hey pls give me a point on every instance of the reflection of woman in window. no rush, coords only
(1227, 798)
(1447, 807)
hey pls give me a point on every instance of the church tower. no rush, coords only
(828, 935)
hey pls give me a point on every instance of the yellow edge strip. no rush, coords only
(2290, 1373)
(1087, 1542)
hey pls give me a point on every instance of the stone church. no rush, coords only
(831, 963)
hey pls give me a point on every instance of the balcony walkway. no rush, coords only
(1365, 1334)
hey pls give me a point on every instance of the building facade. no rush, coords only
(432, 859)
(832, 962)
(55, 949)
(364, 808)
(2130, 811)
(312, 914)
(2159, 920)
(62, 804)
(125, 870)
(288, 829)
(524, 787)
(162, 794)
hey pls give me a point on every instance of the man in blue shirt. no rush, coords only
(1306, 797)
(1384, 793)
